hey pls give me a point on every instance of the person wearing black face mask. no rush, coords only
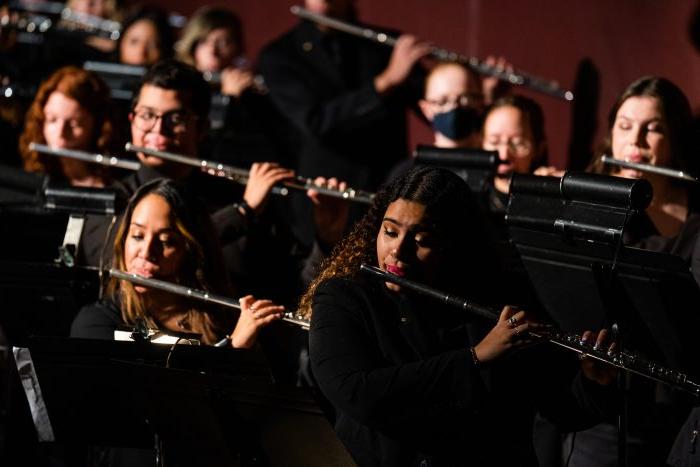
(453, 103)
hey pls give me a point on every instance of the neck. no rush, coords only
(669, 207)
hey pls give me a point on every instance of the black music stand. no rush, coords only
(210, 407)
(569, 234)
(477, 167)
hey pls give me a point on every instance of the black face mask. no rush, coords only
(457, 123)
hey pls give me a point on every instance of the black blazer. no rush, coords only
(398, 371)
(347, 129)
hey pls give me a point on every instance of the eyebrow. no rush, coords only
(167, 229)
(414, 226)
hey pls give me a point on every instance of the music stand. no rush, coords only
(569, 233)
(477, 167)
(212, 406)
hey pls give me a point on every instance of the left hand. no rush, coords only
(549, 171)
(330, 213)
(594, 369)
(234, 81)
(255, 315)
(492, 87)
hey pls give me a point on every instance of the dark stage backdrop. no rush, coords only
(597, 46)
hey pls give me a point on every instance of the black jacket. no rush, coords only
(400, 375)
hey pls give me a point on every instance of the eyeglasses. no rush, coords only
(175, 120)
(463, 100)
(517, 145)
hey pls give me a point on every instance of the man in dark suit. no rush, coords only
(346, 95)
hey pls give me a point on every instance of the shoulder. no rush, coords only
(97, 320)
(281, 46)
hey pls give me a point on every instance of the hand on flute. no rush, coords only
(262, 177)
(594, 369)
(509, 333)
(330, 213)
(255, 315)
(407, 52)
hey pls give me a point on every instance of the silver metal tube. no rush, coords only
(624, 360)
(114, 68)
(551, 88)
(648, 168)
(241, 176)
(94, 158)
(195, 294)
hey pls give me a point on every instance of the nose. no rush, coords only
(65, 130)
(403, 249)
(640, 137)
(148, 249)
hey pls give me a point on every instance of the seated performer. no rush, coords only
(411, 383)
(514, 126)
(166, 234)
(651, 123)
(71, 110)
(146, 37)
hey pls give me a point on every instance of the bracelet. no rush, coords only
(475, 359)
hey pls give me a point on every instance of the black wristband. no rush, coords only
(246, 210)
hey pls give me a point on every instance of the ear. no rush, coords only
(427, 110)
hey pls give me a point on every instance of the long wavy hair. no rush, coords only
(676, 112)
(92, 94)
(201, 268)
(455, 218)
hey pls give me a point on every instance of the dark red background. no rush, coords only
(624, 39)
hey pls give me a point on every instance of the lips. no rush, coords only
(396, 270)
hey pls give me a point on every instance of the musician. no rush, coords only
(410, 382)
(454, 104)
(71, 110)
(347, 97)
(166, 234)
(651, 123)
(514, 126)
(246, 126)
(146, 37)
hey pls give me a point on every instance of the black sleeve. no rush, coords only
(96, 321)
(326, 118)
(229, 224)
(358, 381)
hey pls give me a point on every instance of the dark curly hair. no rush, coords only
(451, 211)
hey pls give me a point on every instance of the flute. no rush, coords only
(195, 294)
(94, 158)
(550, 88)
(627, 361)
(648, 168)
(241, 176)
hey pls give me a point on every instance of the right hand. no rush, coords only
(235, 81)
(408, 50)
(255, 315)
(509, 333)
(261, 178)
(330, 214)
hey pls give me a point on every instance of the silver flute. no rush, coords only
(624, 360)
(94, 158)
(241, 176)
(550, 88)
(648, 168)
(195, 294)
